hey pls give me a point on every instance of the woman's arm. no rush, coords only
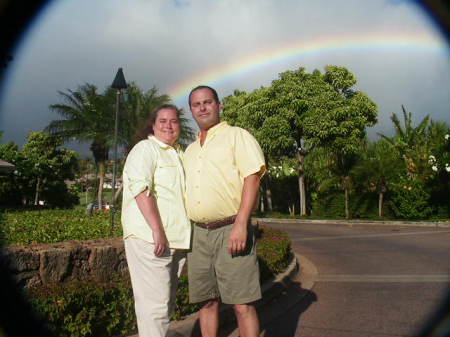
(149, 209)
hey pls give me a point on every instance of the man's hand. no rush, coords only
(160, 242)
(238, 238)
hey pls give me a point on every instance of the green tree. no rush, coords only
(12, 184)
(47, 162)
(41, 168)
(332, 171)
(300, 111)
(377, 170)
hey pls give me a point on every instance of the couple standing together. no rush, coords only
(215, 185)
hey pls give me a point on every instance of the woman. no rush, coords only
(156, 229)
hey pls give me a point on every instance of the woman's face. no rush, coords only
(166, 127)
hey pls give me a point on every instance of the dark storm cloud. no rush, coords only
(164, 43)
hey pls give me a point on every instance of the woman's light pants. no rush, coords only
(154, 281)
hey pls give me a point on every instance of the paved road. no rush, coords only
(372, 280)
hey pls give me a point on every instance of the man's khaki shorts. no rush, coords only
(214, 273)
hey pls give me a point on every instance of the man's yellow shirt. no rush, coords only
(215, 172)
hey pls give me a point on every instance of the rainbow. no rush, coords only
(324, 44)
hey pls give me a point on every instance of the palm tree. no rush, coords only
(136, 108)
(410, 142)
(86, 117)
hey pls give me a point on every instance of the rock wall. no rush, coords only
(43, 264)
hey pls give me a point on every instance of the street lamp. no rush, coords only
(118, 84)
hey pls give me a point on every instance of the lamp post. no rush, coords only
(118, 84)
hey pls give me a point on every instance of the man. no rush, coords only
(223, 169)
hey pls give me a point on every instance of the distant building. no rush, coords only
(6, 167)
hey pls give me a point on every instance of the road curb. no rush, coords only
(354, 222)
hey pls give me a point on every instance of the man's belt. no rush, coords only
(216, 224)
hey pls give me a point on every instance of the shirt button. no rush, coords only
(196, 186)
(198, 202)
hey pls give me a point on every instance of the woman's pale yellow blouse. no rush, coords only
(156, 167)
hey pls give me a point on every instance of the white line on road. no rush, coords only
(317, 238)
(382, 278)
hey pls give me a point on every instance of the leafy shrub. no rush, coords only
(274, 251)
(330, 205)
(86, 309)
(51, 226)
(362, 205)
(58, 195)
(410, 200)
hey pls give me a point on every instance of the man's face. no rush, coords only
(205, 109)
(167, 126)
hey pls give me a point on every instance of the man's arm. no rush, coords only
(238, 235)
(149, 209)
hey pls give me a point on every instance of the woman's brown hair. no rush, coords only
(147, 129)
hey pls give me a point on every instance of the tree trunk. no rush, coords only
(261, 200)
(380, 204)
(38, 190)
(347, 213)
(119, 190)
(301, 180)
(100, 151)
(101, 178)
(269, 199)
(292, 209)
(301, 189)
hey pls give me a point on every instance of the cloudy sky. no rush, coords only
(392, 46)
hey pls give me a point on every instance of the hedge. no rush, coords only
(51, 226)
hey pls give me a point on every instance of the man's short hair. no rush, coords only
(214, 92)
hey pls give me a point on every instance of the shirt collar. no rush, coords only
(161, 144)
(215, 129)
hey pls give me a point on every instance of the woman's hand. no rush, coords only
(160, 242)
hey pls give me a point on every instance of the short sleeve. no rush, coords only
(140, 167)
(248, 154)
